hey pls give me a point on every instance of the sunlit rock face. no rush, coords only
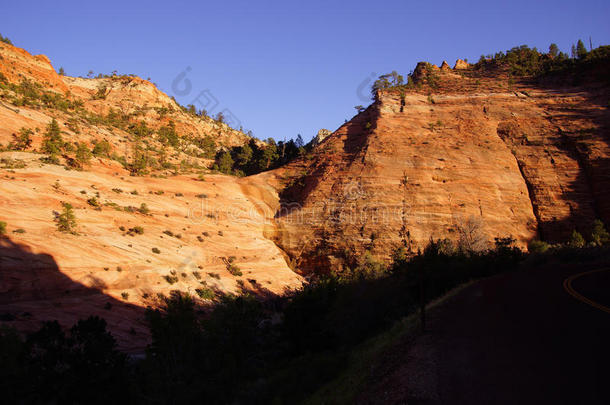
(524, 160)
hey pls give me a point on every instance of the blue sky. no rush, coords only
(280, 67)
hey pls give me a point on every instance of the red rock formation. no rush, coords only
(461, 64)
(523, 159)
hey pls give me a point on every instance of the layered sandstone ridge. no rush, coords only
(210, 230)
(200, 228)
(130, 98)
(524, 161)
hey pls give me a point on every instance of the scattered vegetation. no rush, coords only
(136, 230)
(21, 141)
(520, 61)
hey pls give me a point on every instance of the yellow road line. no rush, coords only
(567, 285)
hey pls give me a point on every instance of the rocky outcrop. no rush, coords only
(320, 137)
(461, 64)
(525, 163)
(445, 66)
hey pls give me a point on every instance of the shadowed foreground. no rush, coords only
(514, 338)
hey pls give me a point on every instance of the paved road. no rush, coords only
(517, 338)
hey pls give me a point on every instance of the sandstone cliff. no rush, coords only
(526, 161)
(522, 159)
(197, 232)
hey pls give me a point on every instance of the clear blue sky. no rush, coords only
(282, 67)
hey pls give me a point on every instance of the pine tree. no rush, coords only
(581, 50)
(224, 162)
(553, 50)
(52, 142)
(66, 221)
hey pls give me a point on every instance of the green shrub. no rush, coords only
(234, 270)
(19, 230)
(72, 124)
(538, 246)
(143, 209)
(93, 202)
(156, 250)
(576, 240)
(83, 154)
(140, 130)
(168, 135)
(599, 234)
(137, 230)
(23, 140)
(102, 148)
(66, 220)
(125, 295)
(2, 228)
(205, 293)
(101, 92)
(5, 40)
(171, 279)
(140, 161)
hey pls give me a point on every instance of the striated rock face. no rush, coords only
(525, 162)
(456, 147)
(108, 271)
(198, 225)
